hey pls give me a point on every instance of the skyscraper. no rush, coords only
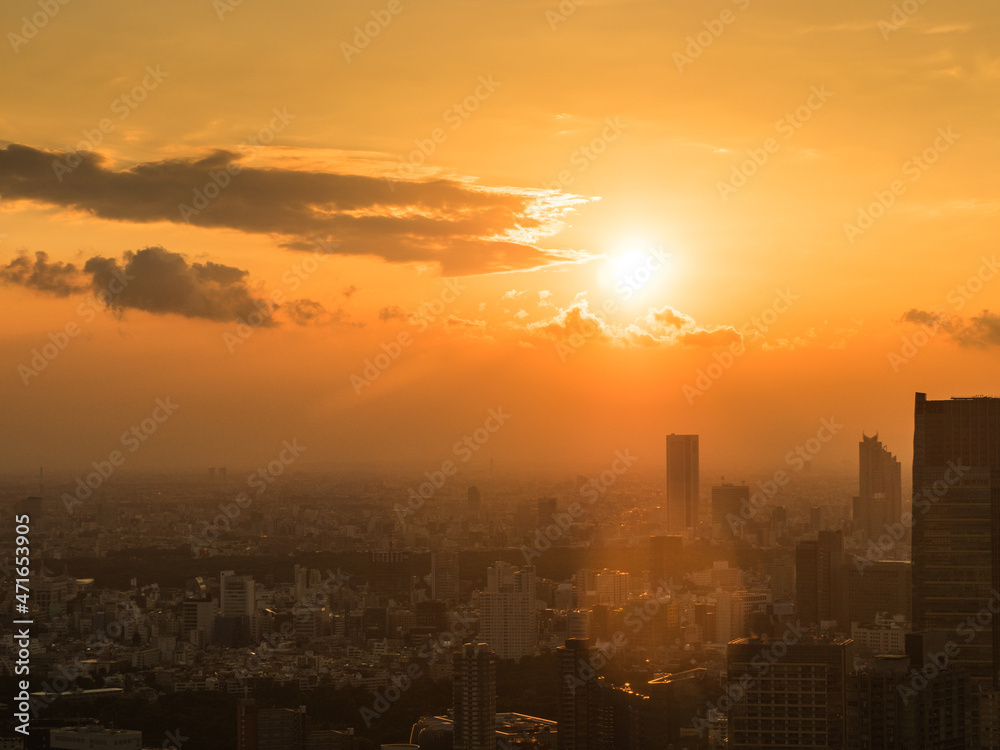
(475, 697)
(820, 579)
(682, 483)
(509, 621)
(444, 576)
(956, 525)
(799, 701)
(727, 499)
(880, 496)
(575, 689)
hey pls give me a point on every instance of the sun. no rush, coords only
(635, 268)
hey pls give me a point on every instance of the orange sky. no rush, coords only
(565, 210)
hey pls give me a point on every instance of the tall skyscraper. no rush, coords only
(475, 697)
(956, 525)
(509, 620)
(821, 579)
(727, 499)
(444, 576)
(682, 483)
(880, 495)
(575, 689)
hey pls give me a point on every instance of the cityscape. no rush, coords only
(499, 375)
(620, 610)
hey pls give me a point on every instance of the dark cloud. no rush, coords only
(60, 279)
(465, 228)
(153, 280)
(350, 291)
(393, 312)
(306, 312)
(979, 331)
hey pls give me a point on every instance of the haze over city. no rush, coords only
(536, 374)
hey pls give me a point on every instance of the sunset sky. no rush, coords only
(575, 212)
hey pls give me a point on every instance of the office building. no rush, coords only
(794, 692)
(956, 525)
(508, 614)
(576, 685)
(820, 579)
(727, 501)
(444, 577)
(682, 483)
(879, 503)
(474, 690)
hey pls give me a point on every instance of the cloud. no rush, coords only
(513, 294)
(575, 321)
(350, 291)
(545, 298)
(659, 327)
(392, 312)
(521, 314)
(463, 227)
(60, 279)
(307, 312)
(978, 331)
(153, 280)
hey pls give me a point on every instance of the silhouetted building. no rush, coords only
(727, 500)
(820, 579)
(197, 616)
(391, 573)
(892, 705)
(879, 503)
(269, 728)
(885, 586)
(794, 694)
(576, 684)
(445, 584)
(683, 485)
(475, 699)
(956, 524)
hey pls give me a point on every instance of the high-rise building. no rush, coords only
(444, 576)
(237, 595)
(682, 483)
(270, 728)
(880, 496)
(727, 500)
(509, 620)
(883, 586)
(197, 616)
(956, 525)
(798, 701)
(475, 697)
(391, 573)
(820, 579)
(890, 709)
(576, 683)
